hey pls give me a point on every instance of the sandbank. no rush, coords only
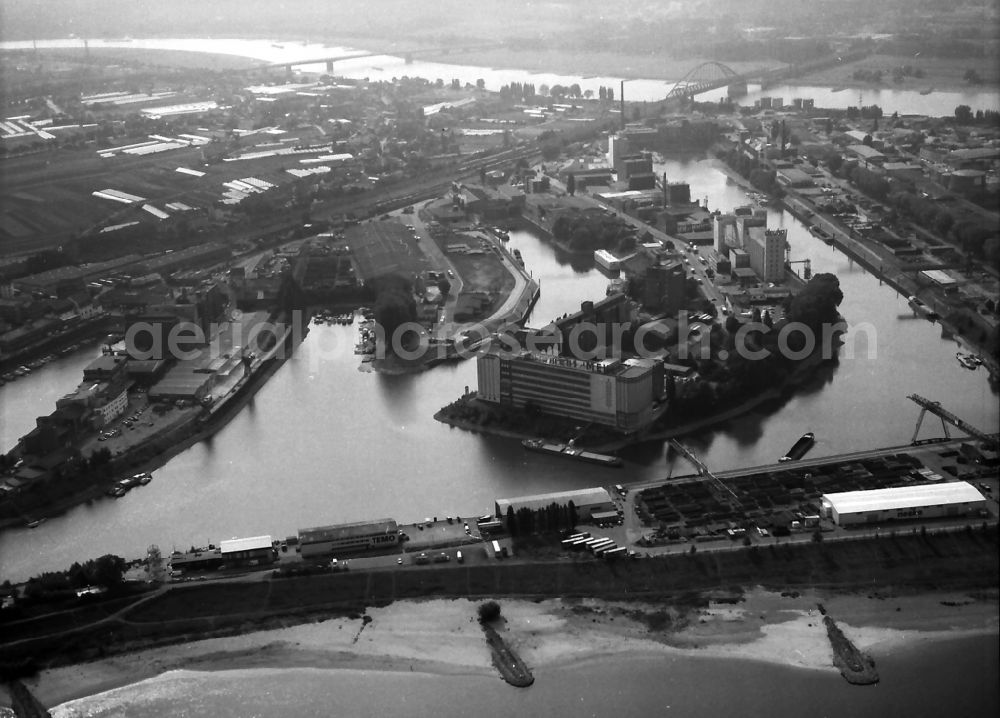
(442, 636)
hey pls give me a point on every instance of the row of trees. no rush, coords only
(583, 232)
(107, 571)
(964, 115)
(554, 517)
(394, 303)
(527, 92)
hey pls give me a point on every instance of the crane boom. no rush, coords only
(946, 416)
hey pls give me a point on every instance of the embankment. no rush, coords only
(156, 452)
(958, 561)
(506, 660)
(856, 667)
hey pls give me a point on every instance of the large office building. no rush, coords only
(348, 538)
(586, 503)
(924, 501)
(611, 392)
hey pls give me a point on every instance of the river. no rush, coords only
(387, 67)
(325, 443)
(954, 677)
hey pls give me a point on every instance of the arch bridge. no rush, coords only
(708, 76)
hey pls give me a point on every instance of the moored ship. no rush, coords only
(572, 451)
(800, 447)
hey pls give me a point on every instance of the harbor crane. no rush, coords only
(947, 417)
(806, 266)
(704, 471)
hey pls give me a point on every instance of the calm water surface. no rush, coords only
(325, 443)
(951, 677)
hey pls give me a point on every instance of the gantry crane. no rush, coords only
(948, 418)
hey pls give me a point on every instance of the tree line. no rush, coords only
(554, 517)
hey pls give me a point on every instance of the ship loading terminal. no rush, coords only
(937, 484)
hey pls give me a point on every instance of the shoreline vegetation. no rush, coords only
(436, 636)
(958, 562)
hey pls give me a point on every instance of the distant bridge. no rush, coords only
(710, 76)
(407, 56)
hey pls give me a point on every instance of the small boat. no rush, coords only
(36, 523)
(799, 448)
(967, 360)
(821, 233)
(144, 478)
(922, 309)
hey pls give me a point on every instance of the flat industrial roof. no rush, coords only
(903, 497)
(580, 497)
(361, 528)
(245, 544)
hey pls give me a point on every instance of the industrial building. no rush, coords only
(924, 501)
(587, 502)
(246, 550)
(611, 392)
(745, 231)
(348, 538)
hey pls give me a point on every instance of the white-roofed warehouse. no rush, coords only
(586, 502)
(259, 548)
(956, 498)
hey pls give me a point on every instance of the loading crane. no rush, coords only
(806, 266)
(704, 471)
(990, 440)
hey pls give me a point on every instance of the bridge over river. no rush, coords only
(407, 55)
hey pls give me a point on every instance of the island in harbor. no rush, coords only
(739, 367)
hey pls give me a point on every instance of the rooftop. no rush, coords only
(245, 544)
(361, 528)
(579, 497)
(903, 497)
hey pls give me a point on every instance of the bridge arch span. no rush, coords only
(706, 76)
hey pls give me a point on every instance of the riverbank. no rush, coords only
(443, 637)
(178, 437)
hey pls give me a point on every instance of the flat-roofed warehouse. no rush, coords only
(587, 502)
(955, 498)
(348, 538)
(253, 548)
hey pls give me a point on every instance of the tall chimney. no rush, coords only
(664, 189)
(621, 99)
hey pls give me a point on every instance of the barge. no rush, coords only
(573, 452)
(799, 448)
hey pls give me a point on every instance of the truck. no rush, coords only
(497, 551)
(458, 557)
(594, 548)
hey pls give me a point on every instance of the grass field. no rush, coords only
(962, 561)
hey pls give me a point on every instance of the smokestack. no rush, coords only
(621, 99)
(664, 189)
